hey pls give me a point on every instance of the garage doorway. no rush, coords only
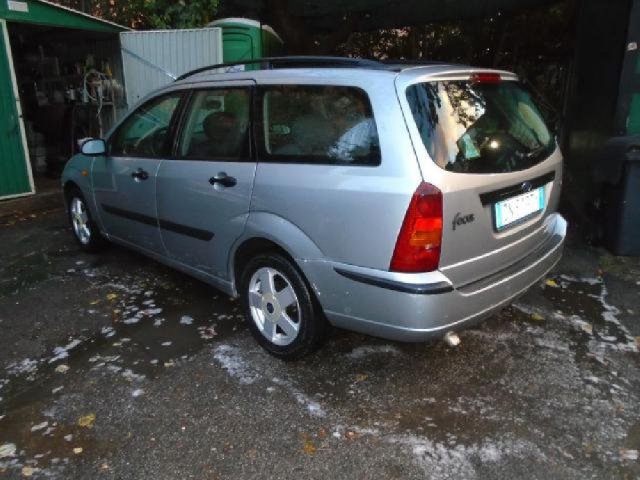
(70, 87)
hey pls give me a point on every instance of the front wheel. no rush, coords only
(84, 228)
(280, 309)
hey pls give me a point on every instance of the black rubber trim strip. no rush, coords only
(418, 289)
(129, 215)
(205, 235)
(513, 190)
(197, 233)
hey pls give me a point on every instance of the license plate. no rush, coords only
(515, 209)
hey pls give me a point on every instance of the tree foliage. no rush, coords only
(536, 43)
(150, 14)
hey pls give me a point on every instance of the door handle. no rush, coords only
(223, 179)
(139, 174)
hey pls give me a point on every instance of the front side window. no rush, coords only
(319, 124)
(472, 127)
(217, 125)
(145, 132)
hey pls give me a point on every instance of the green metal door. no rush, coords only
(15, 175)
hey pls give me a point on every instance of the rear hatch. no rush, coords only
(482, 140)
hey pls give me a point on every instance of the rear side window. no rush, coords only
(480, 127)
(318, 124)
(217, 125)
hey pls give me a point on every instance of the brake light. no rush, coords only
(485, 78)
(418, 245)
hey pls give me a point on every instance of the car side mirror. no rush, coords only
(93, 147)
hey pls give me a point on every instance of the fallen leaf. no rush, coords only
(587, 328)
(537, 317)
(360, 377)
(77, 450)
(588, 449)
(309, 448)
(252, 454)
(551, 283)
(27, 471)
(112, 296)
(86, 421)
(351, 435)
(94, 302)
(62, 368)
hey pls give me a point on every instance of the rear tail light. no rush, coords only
(485, 78)
(418, 245)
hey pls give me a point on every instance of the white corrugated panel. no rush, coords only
(153, 59)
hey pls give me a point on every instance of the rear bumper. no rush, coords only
(408, 307)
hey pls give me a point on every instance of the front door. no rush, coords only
(205, 191)
(15, 171)
(124, 181)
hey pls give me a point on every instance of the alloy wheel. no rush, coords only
(80, 220)
(274, 306)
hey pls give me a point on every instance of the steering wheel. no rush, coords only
(153, 143)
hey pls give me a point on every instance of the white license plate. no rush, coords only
(515, 209)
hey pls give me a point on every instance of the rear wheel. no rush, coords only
(83, 227)
(280, 309)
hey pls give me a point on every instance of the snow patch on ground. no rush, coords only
(231, 360)
(60, 353)
(599, 343)
(458, 461)
(367, 350)
(23, 367)
(312, 406)
(610, 314)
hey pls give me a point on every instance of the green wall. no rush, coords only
(14, 176)
(628, 115)
(45, 14)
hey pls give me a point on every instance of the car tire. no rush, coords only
(83, 227)
(280, 308)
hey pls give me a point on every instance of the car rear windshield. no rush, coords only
(480, 127)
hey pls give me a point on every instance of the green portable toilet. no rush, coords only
(246, 39)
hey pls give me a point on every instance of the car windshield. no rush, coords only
(472, 127)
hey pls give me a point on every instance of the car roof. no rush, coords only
(297, 68)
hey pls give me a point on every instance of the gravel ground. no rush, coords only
(115, 367)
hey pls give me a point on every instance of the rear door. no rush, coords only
(124, 181)
(483, 142)
(330, 165)
(204, 192)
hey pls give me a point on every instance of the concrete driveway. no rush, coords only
(115, 367)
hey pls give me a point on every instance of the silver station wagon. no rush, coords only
(401, 201)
